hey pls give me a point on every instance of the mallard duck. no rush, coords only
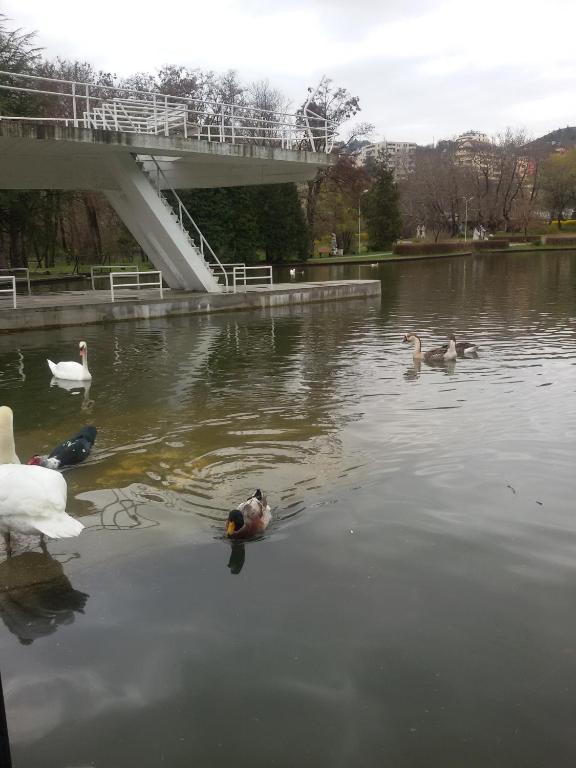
(70, 370)
(447, 352)
(250, 518)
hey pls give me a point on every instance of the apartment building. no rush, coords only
(401, 156)
(472, 148)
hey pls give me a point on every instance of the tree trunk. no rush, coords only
(314, 188)
(94, 226)
(16, 246)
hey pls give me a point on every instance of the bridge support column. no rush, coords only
(156, 229)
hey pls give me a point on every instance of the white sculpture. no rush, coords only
(333, 244)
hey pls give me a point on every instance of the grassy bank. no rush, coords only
(371, 258)
(63, 271)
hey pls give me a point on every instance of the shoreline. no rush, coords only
(375, 258)
(382, 259)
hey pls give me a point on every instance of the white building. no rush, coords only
(401, 156)
(472, 148)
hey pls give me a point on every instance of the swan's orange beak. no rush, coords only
(229, 528)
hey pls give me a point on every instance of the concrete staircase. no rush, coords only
(186, 260)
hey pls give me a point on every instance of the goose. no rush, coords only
(32, 498)
(71, 370)
(463, 347)
(70, 452)
(250, 518)
(439, 354)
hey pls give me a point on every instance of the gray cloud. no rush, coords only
(423, 69)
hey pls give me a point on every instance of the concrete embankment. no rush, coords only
(55, 310)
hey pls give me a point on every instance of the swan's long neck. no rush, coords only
(7, 447)
(85, 359)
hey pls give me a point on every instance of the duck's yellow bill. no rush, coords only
(229, 529)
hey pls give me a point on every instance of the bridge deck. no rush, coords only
(50, 310)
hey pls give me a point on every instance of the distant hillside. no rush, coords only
(562, 138)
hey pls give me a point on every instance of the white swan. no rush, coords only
(71, 370)
(32, 499)
(7, 447)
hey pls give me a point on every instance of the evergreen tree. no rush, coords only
(240, 221)
(243, 227)
(227, 217)
(381, 208)
(283, 232)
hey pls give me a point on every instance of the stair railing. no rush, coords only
(183, 213)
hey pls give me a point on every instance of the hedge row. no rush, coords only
(489, 245)
(422, 249)
(568, 225)
(559, 240)
(517, 238)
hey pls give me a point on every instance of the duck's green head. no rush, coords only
(235, 522)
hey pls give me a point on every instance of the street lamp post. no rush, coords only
(359, 199)
(466, 201)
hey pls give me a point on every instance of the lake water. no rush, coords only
(413, 600)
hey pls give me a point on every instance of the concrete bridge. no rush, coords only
(138, 148)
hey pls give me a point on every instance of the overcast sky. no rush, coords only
(423, 69)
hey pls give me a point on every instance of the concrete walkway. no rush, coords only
(52, 310)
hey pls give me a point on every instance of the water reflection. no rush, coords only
(124, 509)
(237, 557)
(12, 368)
(426, 506)
(75, 388)
(36, 596)
(413, 371)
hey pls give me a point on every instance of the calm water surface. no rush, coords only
(413, 601)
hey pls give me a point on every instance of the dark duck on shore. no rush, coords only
(250, 518)
(70, 452)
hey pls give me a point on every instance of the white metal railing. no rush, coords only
(12, 280)
(111, 108)
(105, 269)
(242, 275)
(25, 278)
(207, 253)
(147, 284)
(229, 269)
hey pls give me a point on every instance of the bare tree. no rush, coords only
(434, 194)
(559, 183)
